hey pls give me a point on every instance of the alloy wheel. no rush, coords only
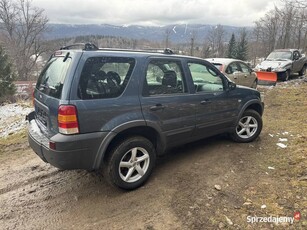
(134, 164)
(247, 127)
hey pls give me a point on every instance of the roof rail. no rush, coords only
(91, 46)
(161, 50)
(85, 46)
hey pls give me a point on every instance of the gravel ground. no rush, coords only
(210, 184)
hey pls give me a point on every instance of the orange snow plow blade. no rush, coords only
(266, 78)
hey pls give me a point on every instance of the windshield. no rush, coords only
(52, 77)
(279, 55)
(219, 66)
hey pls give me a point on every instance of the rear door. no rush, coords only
(165, 100)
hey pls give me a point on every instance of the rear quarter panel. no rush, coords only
(105, 114)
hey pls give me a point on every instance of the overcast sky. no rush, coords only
(155, 12)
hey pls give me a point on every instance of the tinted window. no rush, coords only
(52, 77)
(205, 78)
(164, 77)
(105, 77)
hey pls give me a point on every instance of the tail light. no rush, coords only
(67, 119)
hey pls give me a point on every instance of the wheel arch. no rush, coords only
(252, 105)
(256, 106)
(116, 137)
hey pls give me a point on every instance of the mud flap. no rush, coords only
(266, 78)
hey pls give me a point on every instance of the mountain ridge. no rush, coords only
(179, 33)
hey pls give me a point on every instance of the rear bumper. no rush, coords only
(71, 151)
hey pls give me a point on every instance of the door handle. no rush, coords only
(205, 102)
(157, 107)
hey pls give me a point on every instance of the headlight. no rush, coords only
(279, 69)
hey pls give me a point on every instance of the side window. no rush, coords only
(233, 67)
(104, 77)
(244, 68)
(296, 55)
(205, 78)
(164, 77)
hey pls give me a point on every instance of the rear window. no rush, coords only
(52, 77)
(105, 77)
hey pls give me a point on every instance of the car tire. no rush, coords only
(286, 76)
(302, 72)
(130, 163)
(248, 127)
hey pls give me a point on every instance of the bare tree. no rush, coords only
(22, 27)
(297, 3)
(216, 41)
(283, 27)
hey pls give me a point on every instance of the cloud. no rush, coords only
(153, 12)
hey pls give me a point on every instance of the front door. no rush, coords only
(215, 110)
(248, 77)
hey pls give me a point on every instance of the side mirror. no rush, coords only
(231, 85)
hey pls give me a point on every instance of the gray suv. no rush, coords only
(115, 111)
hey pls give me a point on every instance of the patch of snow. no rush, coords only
(12, 118)
(281, 145)
(283, 139)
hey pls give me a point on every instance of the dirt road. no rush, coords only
(210, 184)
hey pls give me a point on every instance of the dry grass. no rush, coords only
(13, 144)
(282, 188)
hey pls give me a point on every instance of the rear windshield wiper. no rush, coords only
(43, 86)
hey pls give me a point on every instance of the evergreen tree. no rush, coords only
(7, 86)
(242, 48)
(232, 53)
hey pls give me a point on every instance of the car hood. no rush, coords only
(242, 87)
(273, 64)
